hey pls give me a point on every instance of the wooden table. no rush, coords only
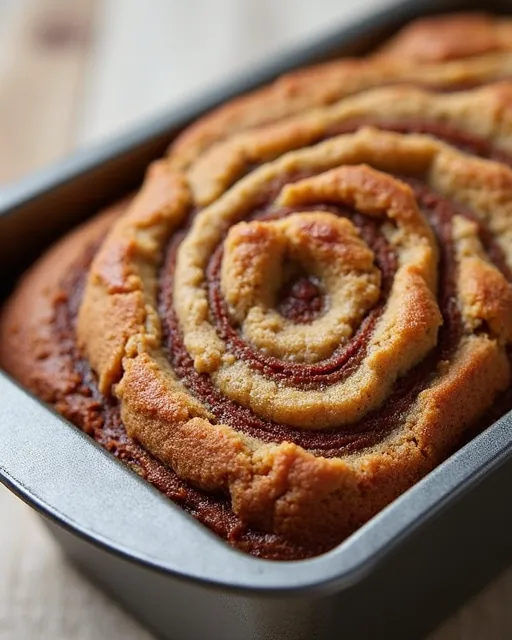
(71, 73)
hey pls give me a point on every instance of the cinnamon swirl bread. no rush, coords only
(307, 306)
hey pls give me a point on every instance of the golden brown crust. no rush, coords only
(449, 37)
(116, 280)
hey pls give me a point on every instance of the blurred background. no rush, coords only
(73, 72)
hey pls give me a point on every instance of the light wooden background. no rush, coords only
(71, 73)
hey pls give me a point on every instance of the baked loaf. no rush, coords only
(286, 327)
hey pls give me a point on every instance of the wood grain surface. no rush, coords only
(43, 52)
(71, 73)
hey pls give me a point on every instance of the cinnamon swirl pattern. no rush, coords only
(311, 343)
(307, 306)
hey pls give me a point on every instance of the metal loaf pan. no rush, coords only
(397, 577)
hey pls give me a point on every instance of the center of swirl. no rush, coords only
(233, 263)
(261, 257)
(301, 299)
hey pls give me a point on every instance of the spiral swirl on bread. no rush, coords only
(285, 329)
(315, 334)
